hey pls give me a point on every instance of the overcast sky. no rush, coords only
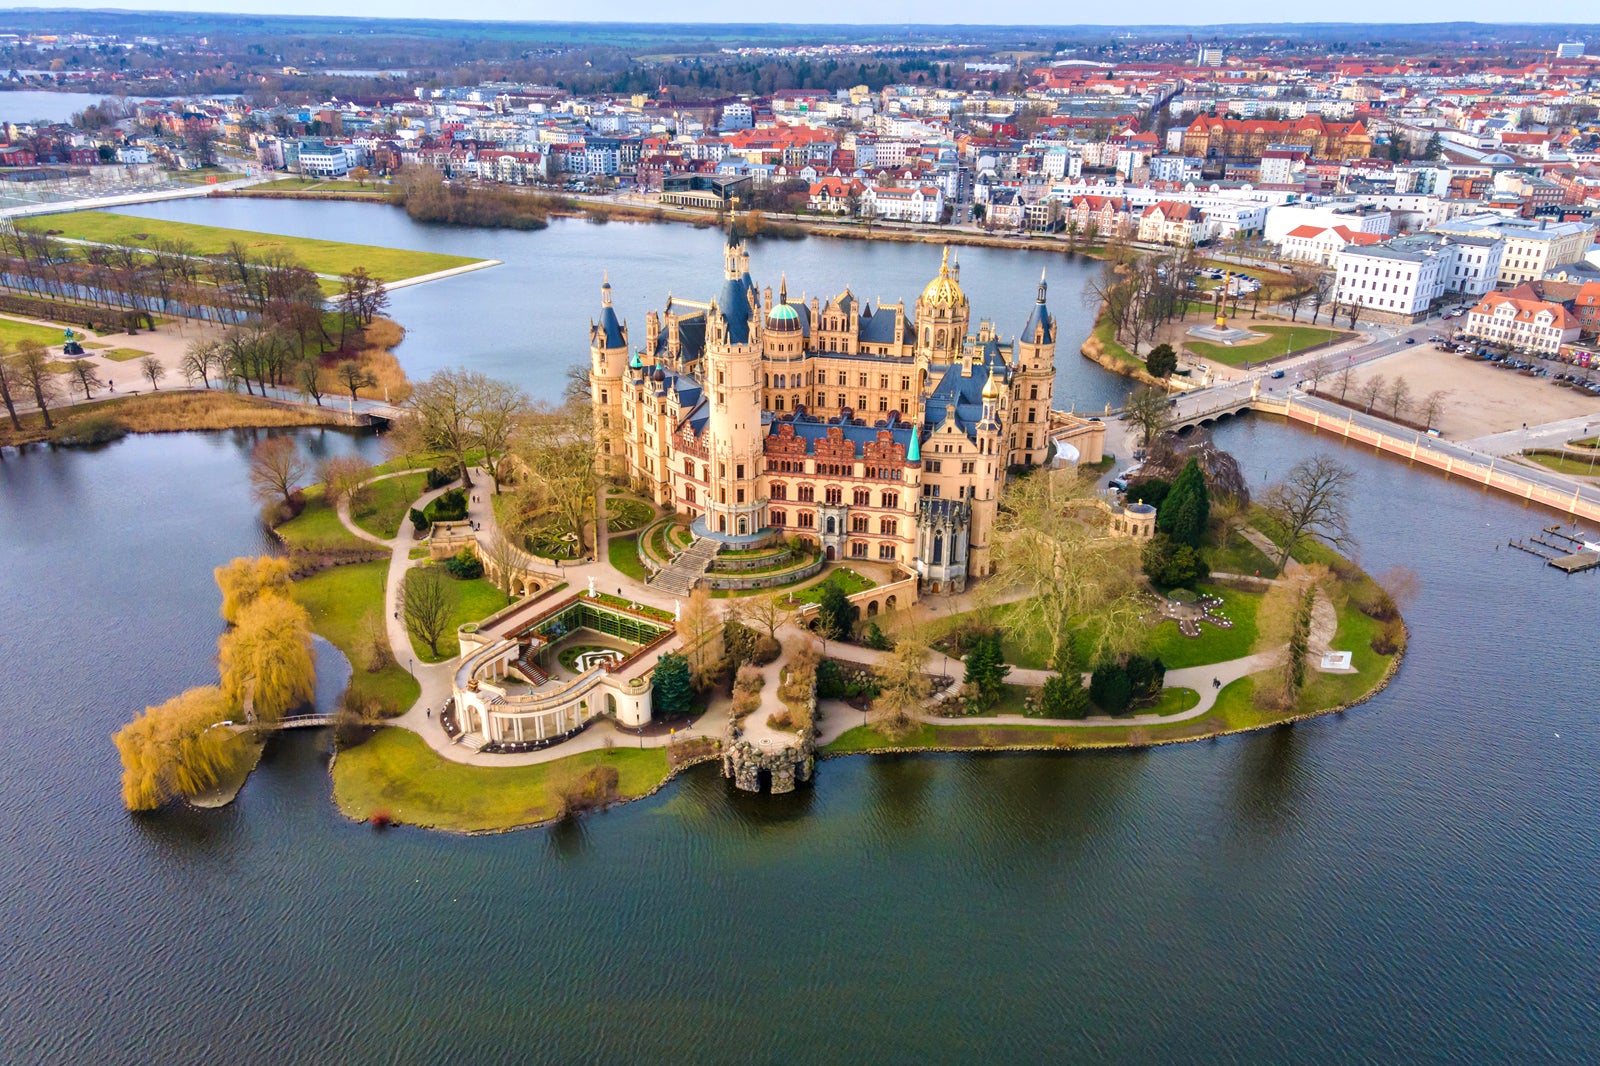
(886, 11)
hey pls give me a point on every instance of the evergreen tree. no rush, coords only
(1162, 361)
(670, 685)
(1186, 510)
(986, 671)
(1064, 696)
(836, 615)
(1110, 688)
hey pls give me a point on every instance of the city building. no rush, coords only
(1532, 246)
(1531, 325)
(880, 433)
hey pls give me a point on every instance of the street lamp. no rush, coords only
(412, 669)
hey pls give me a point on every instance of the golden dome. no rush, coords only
(991, 390)
(944, 290)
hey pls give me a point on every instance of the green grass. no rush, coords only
(1586, 442)
(1236, 709)
(397, 774)
(623, 514)
(204, 176)
(1172, 701)
(13, 333)
(323, 257)
(338, 599)
(1239, 557)
(386, 503)
(320, 185)
(476, 600)
(317, 528)
(1563, 465)
(623, 552)
(844, 577)
(123, 355)
(1213, 645)
(1280, 340)
(60, 366)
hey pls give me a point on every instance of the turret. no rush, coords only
(732, 380)
(1033, 384)
(608, 364)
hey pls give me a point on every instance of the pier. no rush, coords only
(1568, 552)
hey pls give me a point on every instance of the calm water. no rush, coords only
(36, 105)
(528, 320)
(1411, 881)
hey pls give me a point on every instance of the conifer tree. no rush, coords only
(671, 686)
(1187, 508)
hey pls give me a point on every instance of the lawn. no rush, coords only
(1172, 701)
(623, 551)
(323, 257)
(476, 600)
(317, 528)
(623, 513)
(339, 598)
(1239, 557)
(205, 176)
(1279, 341)
(1563, 465)
(978, 737)
(123, 355)
(844, 577)
(320, 185)
(13, 333)
(395, 773)
(386, 503)
(1213, 645)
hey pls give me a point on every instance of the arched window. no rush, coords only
(938, 549)
(833, 525)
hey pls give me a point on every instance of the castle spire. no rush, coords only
(605, 288)
(914, 452)
(783, 287)
(1042, 285)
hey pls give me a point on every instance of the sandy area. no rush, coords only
(167, 343)
(1481, 398)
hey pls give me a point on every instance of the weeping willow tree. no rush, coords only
(178, 749)
(267, 657)
(246, 579)
(1055, 557)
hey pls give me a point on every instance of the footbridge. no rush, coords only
(1210, 412)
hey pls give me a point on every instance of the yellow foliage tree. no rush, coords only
(171, 750)
(267, 657)
(245, 579)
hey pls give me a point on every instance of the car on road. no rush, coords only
(1411, 340)
(1276, 374)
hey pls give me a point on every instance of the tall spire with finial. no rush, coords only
(783, 287)
(605, 288)
(1041, 284)
(955, 265)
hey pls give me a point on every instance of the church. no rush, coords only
(873, 433)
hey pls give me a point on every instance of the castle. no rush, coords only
(872, 433)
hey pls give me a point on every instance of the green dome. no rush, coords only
(783, 319)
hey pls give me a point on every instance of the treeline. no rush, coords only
(426, 198)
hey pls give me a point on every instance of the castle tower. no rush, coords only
(608, 363)
(942, 315)
(734, 506)
(1032, 385)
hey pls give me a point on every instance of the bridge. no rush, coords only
(1219, 410)
(296, 721)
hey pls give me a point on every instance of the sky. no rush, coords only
(927, 12)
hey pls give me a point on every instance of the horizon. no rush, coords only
(1569, 14)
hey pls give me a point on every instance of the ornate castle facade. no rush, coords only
(874, 433)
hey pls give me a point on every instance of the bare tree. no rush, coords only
(768, 613)
(1146, 409)
(355, 377)
(1311, 502)
(32, 364)
(311, 380)
(1316, 372)
(1352, 312)
(1399, 398)
(11, 385)
(1344, 379)
(200, 358)
(446, 418)
(276, 470)
(83, 372)
(427, 604)
(151, 370)
(500, 409)
(556, 448)
(1432, 407)
(1372, 388)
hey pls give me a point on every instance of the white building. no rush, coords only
(1393, 282)
(1179, 168)
(1532, 325)
(1532, 246)
(1322, 244)
(923, 203)
(1357, 219)
(323, 160)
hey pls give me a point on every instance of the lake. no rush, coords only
(1412, 880)
(37, 105)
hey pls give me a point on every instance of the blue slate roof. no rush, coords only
(878, 327)
(611, 327)
(733, 303)
(1039, 315)
(963, 396)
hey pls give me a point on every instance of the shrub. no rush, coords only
(876, 638)
(1374, 602)
(439, 477)
(1153, 492)
(767, 650)
(464, 565)
(450, 506)
(88, 431)
(780, 719)
(1173, 565)
(594, 788)
(419, 521)
(1387, 640)
(1145, 676)
(830, 681)
(748, 679)
(1110, 688)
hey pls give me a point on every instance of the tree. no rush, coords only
(985, 674)
(200, 358)
(835, 613)
(345, 477)
(671, 691)
(266, 658)
(246, 579)
(310, 374)
(1433, 407)
(446, 419)
(1344, 379)
(32, 366)
(151, 370)
(1173, 565)
(555, 447)
(1162, 362)
(276, 470)
(1318, 370)
(1110, 688)
(88, 380)
(360, 175)
(1399, 398)
(769, 613)
(428, 604)
(1310, 502)
(501, 409)
(177, 748)
(354, 376)
(1372, 388)
(504, 559)
(1147, 411)
(903, 689)
(1352, 312)
(1186, 510)
(11, 385)
(700, 628)
(1064, 696)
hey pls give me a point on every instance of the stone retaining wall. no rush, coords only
(764, 581)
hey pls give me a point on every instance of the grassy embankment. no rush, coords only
(322, 257)
(475, 600)
(1586, 467)
(384, 504)
(396, 775)
(1280, 340)
(171, 412)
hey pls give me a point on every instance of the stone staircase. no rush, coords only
(688, 568)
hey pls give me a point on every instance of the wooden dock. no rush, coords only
(1577, 563)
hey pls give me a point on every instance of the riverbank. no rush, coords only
(105, 420)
